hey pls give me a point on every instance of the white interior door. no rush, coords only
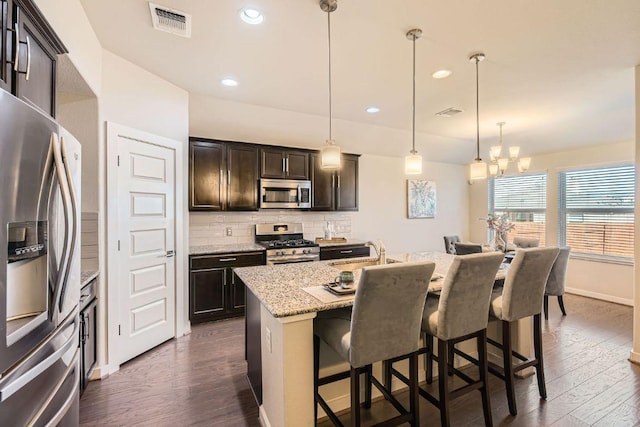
(146, 265)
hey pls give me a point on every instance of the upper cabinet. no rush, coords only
(28, 54)
(284, 163)
(335, 190)
(222, 176)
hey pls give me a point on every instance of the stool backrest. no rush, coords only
(558, 274)
(467, 248)
(387, 311)
(526, 242)
(450, 244)
(466, 294)
(524, 286)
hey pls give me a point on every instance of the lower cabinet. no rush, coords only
(344, 251)
(213, 292)
(88, 331)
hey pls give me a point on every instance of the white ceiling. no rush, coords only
(559, 73)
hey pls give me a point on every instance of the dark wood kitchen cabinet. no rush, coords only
(344, 251)
(88, 332)
(335, 190)
(283, 163)
(223, 176)
(28, 39)
(214, 292)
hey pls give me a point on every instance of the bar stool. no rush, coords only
(556, 282)
(458, 314)
(520, 297)
(385, 323)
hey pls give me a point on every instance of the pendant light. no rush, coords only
(413, 162)
(330, 153)
(477, 169)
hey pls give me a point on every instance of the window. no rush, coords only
(596, 211)
(524, 198)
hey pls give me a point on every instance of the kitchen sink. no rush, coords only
(356, 265)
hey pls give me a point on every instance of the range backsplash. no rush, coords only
(207, 228)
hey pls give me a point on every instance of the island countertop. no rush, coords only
(279, 287)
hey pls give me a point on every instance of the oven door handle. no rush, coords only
(309, 258)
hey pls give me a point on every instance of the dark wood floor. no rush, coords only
(200, 380)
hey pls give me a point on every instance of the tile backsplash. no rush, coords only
(89, 241)
(210, 228)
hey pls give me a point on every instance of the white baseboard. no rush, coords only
(597, 295)
(264, 420)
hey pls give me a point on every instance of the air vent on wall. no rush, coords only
(449, 112)
(170, 20)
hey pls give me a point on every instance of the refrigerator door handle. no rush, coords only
(73, 224)
(64, 191)
(68, 401)
(24, 379)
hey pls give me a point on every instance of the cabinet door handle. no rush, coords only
(28, 59)
(228, 176)
(287, 164)
(16, 32)
(284, 168)
(347, 252)
(227, 259)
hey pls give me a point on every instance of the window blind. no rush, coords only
(596, 211)
(524, 198)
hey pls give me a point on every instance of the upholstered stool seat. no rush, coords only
(458, 314)
(384, 323)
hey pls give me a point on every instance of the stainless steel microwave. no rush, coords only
(285, 194)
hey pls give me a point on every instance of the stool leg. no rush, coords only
(367, 386)
(546, 307)
(537, 348)
(561, 304)
(355, 397)
(443, 379)
(428, 359)
(508, 367)
(386, 374)
(451, 347)
(414, 396)
(484, 376)
(316, 375)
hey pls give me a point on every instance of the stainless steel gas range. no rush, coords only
(285, 243)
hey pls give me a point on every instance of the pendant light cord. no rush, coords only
(413, 151)
(329, 32)
(477, 113)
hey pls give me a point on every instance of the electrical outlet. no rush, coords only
(268, 338)
(229, 231)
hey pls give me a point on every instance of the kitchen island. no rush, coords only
(279, 333)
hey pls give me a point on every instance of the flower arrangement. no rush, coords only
(501, 224)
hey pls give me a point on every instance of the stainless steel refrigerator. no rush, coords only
(39, 268)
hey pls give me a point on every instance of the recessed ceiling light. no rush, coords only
(251, 16)
(373, 109)
(228, 81)
(441, 74)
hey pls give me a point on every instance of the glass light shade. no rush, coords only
(523, 164)
(494, 152)
(477, 170)
(493, 169)
(502, 165)
(413, 164)
(514, 152)
(330, 155)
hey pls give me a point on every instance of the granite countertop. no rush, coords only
(223, 249)
(347, 243)
(87, 276)
(279, 287)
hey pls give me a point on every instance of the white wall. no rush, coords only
(635, 353)
(612, 282)
(383, 188)
(383, 205)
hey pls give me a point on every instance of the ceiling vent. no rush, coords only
(170, 20)
(449, 112)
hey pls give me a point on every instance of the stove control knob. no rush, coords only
(293, 251)
(279, 253)
(306, 251)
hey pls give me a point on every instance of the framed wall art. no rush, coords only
(421, 198)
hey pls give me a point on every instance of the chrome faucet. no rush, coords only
(381, 251)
